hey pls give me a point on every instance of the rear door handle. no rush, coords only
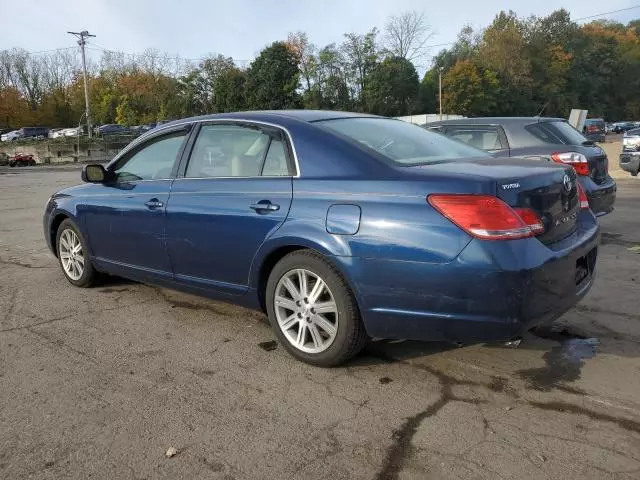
(264, 206)
(154, 203)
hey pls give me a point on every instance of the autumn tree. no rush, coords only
(469, 91)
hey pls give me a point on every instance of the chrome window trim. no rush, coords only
(158, 131)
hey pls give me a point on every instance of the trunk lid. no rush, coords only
(550, 189)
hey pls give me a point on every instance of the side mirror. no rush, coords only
(94, 173)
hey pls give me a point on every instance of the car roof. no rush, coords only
(266, 115)
(495, 120)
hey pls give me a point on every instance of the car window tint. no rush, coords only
(275, 163)
(153, 161)
(484, 138)
(400, 142)
(227, 151)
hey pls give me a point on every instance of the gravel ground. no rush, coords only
(99, 383)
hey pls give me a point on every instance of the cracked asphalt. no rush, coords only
(99, 383)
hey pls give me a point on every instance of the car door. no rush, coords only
(125, 218)
(232, 193)
(490, 138)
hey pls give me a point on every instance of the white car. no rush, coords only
(73, 132)
(56, 133)
(10, 136)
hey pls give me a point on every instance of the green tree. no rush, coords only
(229, 92)
(361, 55)
(392, 87)
(273, 79)
(428, 94)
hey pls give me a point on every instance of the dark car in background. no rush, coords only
(630, 156)
(540, 138)
(33, 132)
(595, 129)
(338, 225)
(111, 129)
(621, 127)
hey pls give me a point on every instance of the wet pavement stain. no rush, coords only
(385, 380)
(564, 362)
(268, 346)
(615, 239)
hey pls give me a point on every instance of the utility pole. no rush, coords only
(81, 41)
(440, 93)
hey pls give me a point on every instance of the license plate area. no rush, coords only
(585, 266)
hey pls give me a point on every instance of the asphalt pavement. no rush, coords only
(101, 382)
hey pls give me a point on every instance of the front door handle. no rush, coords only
(264, 206)
(154, 203)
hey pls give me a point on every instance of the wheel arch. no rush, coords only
(267, 258)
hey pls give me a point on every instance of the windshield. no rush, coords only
(401, 142)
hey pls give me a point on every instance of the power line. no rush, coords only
(606, 13)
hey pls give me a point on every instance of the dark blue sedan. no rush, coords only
(340, 226)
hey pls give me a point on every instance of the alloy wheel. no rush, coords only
(306, 311)
(71, 254)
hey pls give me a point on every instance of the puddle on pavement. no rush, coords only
(564, 362)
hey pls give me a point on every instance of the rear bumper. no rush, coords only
(630, 162)
(492, 291)
(602, 197)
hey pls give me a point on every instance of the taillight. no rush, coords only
(577, 160)
(487, 217)
(582, 196)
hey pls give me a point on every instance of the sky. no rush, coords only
(241, 28)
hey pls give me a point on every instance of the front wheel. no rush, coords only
(73, 255)
(313, 311)
(12, 164)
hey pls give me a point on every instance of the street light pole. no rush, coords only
(81, 41)
(440, 93)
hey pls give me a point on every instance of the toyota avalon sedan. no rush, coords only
(339, 226)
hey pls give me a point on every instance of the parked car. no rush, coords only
(21, 160)
(11, 136)
(630, 156)
(73, 132)
(621, 127)
(55, 132)
(33, 132)
(337, 225)
(112, 129)
(551, 138)
(595, 129)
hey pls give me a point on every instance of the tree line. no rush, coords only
(515, 66)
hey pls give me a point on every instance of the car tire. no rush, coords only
(12, 164)
(328, 339)
(76, 266)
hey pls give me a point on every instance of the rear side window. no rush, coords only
(482, 137)
(225, 150)
(556, 133)
(400, 142)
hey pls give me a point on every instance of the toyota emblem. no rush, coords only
(567, 183)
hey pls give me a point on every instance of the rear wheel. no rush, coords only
(73, 255)
(312, 310)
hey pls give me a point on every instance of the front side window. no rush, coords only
(152, 161)
(225, 150)
(400, 142)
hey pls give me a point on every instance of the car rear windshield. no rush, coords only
(401, 142)
(556, 132)
(633, 133)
